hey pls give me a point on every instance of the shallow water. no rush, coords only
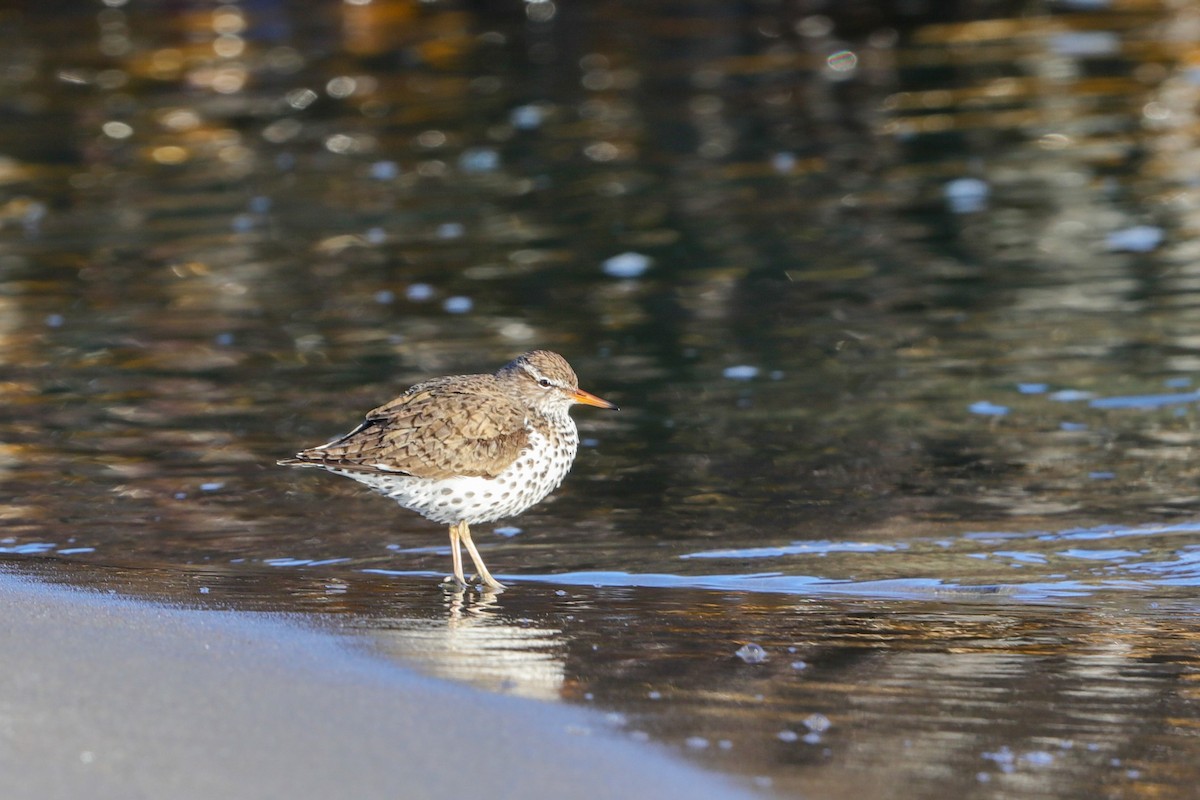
(900, 314)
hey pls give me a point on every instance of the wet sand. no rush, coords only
(104, 697)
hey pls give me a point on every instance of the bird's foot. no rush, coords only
(454, 583)
(486, 584)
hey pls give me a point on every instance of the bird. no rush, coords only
(465, 450)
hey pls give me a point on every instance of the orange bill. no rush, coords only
(589, 399)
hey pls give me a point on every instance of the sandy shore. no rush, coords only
(103, 697)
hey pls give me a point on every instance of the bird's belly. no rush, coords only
(538, 471)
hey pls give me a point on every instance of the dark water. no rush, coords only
(899, 302)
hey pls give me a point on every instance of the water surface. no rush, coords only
(899, 310)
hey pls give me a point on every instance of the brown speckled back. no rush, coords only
(460, 425)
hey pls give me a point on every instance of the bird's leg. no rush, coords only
(456, 553)
(488, 580)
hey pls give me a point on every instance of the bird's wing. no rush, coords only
(437, 429)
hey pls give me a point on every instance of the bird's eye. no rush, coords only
(544, 383)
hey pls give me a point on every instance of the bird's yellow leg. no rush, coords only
(488, 580)
(456, 553)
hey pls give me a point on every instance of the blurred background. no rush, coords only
(898, 299)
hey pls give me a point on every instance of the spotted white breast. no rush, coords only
(537, 472)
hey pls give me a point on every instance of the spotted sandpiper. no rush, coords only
(467, 449)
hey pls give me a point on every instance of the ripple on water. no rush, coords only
(752, 653)
(799, 548)
(1144, 401)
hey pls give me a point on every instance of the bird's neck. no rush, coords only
(556, 417)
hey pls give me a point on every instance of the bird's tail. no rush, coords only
(298, 461)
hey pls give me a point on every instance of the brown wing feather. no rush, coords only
(437, 429)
